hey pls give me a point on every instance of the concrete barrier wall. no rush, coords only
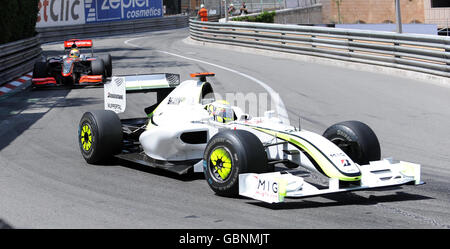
(307, 15)
(300, 15)
(111, 28)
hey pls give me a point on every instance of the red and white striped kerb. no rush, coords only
(10, 86)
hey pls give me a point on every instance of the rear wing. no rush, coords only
(79, 43)
(115, 91)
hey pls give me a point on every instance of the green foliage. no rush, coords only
(266, 17)
(17, 19)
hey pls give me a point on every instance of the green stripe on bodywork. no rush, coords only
(324, 163)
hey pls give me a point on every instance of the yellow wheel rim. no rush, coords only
(221, 162)
(86, 137)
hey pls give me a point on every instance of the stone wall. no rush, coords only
(372, 11)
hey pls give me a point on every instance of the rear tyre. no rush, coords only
(230, 153)
(356, 139)
(99, 136)
(106, 58)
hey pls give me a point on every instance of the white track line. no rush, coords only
(281, 109)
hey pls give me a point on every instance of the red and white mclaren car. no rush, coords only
(73, 68)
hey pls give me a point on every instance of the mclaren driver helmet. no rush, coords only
(74, 53)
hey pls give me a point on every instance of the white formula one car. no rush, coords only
(187, 129)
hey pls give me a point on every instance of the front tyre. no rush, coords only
(230, 153)
(356, 139)
(107, 61)
(98, 67)
(99, 136)
(40, 70)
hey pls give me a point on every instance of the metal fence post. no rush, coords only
(226, 11)
(398, 16)
(349, 45)
(447, 50)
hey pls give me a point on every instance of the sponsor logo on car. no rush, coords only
(115, 96)
(118, 81)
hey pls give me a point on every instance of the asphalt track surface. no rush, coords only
(45, 183)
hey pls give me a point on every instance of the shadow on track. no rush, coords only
(19, 112)
(4, 225)
(342, 199)
(115, 162)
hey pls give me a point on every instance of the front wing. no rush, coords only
(85, 80)
(275, 187)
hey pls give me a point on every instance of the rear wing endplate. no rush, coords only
(115, 91)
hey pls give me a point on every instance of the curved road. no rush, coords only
(45, 183)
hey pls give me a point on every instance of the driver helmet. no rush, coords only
(74, 53)
(221, 111)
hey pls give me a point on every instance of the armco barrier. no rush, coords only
(17, 58)
(60, 33)
(421, 53)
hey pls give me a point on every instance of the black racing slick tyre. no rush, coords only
(108, 63)
(98, 67)
(356, 139)
(99, 136)
(230, 153)
(40, 70)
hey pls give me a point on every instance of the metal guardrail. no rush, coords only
(17, 58)
(421, 53)
(111, 28)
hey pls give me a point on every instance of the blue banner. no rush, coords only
(118, 10)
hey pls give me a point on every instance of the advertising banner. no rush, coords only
(117, 10)
(75, 12)
(60, 13)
